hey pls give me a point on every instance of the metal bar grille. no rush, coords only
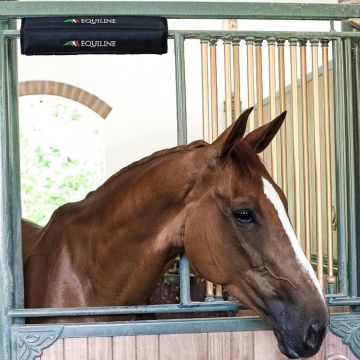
(341, 284)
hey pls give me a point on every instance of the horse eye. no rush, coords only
(244, 216)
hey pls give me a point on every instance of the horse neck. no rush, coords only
(136, 224)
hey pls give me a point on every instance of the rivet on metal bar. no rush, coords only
(317, 139)
(272, 92)
(282, 103)
(296, 148)
(250, 78)
(330, 262)
(305, 144)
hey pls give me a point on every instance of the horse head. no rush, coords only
(238, 234)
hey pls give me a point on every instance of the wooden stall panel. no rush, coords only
(265, 346)
(147, 347)
(100, 348)
(183, 346)
(242, 345)
(124, 347)
(76, 348)
(219, 346)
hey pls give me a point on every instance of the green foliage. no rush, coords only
(52, 173)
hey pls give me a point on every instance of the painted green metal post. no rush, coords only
(341, 163)
(14, 170)
(6, 260)
(180, 89)
(182, 140)
(351, 182)
(356, 66)
(185, 296)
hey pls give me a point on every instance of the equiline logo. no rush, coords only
(73, 21)
(91, 43)
(90, 21)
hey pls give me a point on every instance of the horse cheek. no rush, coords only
(201, 246)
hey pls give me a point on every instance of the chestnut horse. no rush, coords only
(217, 203)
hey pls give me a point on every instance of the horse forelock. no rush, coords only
(246, 160)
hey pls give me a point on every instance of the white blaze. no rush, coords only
(274, 197)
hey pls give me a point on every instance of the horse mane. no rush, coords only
(147, 159)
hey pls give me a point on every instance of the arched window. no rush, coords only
(62, 146)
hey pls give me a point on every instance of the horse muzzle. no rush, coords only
(294, 345)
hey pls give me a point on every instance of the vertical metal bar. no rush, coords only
(341, 163)
(182, 140)
(215, 133)
(180, 89)
(272, 92)
(228, 115)
(6, 254)
(227, 69)
(259, 82)
(356, 50)
(305, 144)
(317, 141)
(209, 291)
(205, 89)
(14, 157)
(250, 78)
(236, 67)
(218, 292)
(259, 86)
(351, 169)
(330, 260)
(282, 101)
(296, 148)
(213, 87)
(185, 297)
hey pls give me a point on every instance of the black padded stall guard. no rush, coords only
(94, 35)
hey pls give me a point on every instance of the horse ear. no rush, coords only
(260, 138)
(233, 133)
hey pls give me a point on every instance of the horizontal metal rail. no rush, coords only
(240, 35)
(226, 306)
(181, 10)
(148, 327)
(156, 327)
(127, 310)
(343, 301)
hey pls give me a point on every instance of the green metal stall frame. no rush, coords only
(21, 341)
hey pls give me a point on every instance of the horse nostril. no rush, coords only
(314, 335)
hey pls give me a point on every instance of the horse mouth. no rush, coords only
(291, 354)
